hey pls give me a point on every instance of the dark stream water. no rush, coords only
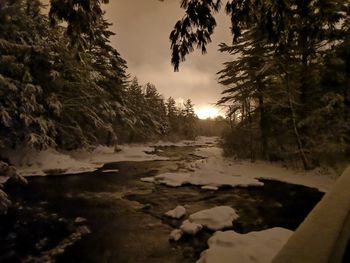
(120, 218)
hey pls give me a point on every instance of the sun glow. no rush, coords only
(207, 112)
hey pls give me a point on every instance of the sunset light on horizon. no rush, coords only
(206, 112)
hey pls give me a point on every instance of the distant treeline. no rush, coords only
(212, 126)
(65, 94)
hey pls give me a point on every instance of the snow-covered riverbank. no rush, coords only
(211, 172)
(258, 247)
(189, 213)
(51, 161)
(214, 171)
(32, 162)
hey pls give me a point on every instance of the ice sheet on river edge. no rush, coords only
(215, 171)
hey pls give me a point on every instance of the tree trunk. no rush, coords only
(250, 121)
(263, 126)
(295, 128)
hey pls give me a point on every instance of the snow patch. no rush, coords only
(199, 141)
(324, 234)
(3, 179)
(215, 164)
(215, 171)
(209, 187)
(110, 171)
(80, 220)
(176, 235)
(208, 180)
(128, 152)
(147, 179)
(190, 228)
(5, 203)
(177, 213)
(254, 247)
(216, 218)
(31, 162)
(172, 179)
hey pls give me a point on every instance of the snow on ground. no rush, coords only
(31, 162)
(190, 228)
(216, 171)
(211, 173)
(128, 152)
(229, 246)
(3, 179)
(324, 235)
(111, 171)
(175, 235)
(40, 163)
(200, 141)
(147, 179)
(216, 218)
(216, 163)
(208, 181)
(254, 247)
(177, 212)
(210, 187)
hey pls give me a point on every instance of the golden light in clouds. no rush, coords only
(206, 112)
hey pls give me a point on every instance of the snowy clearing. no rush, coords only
(254, 247)
(216, 171)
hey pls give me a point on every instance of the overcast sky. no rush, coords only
(142, 30)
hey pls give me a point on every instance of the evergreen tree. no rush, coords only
(189, 120)
(156, 108)
(172, 115)
(83, 20)
(274, 85)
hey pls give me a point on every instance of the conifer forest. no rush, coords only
(204, 131)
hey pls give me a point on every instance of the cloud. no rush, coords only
(191, 82)
(164, 77)
(142, 30)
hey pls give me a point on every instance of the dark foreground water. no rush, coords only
(114, 217)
